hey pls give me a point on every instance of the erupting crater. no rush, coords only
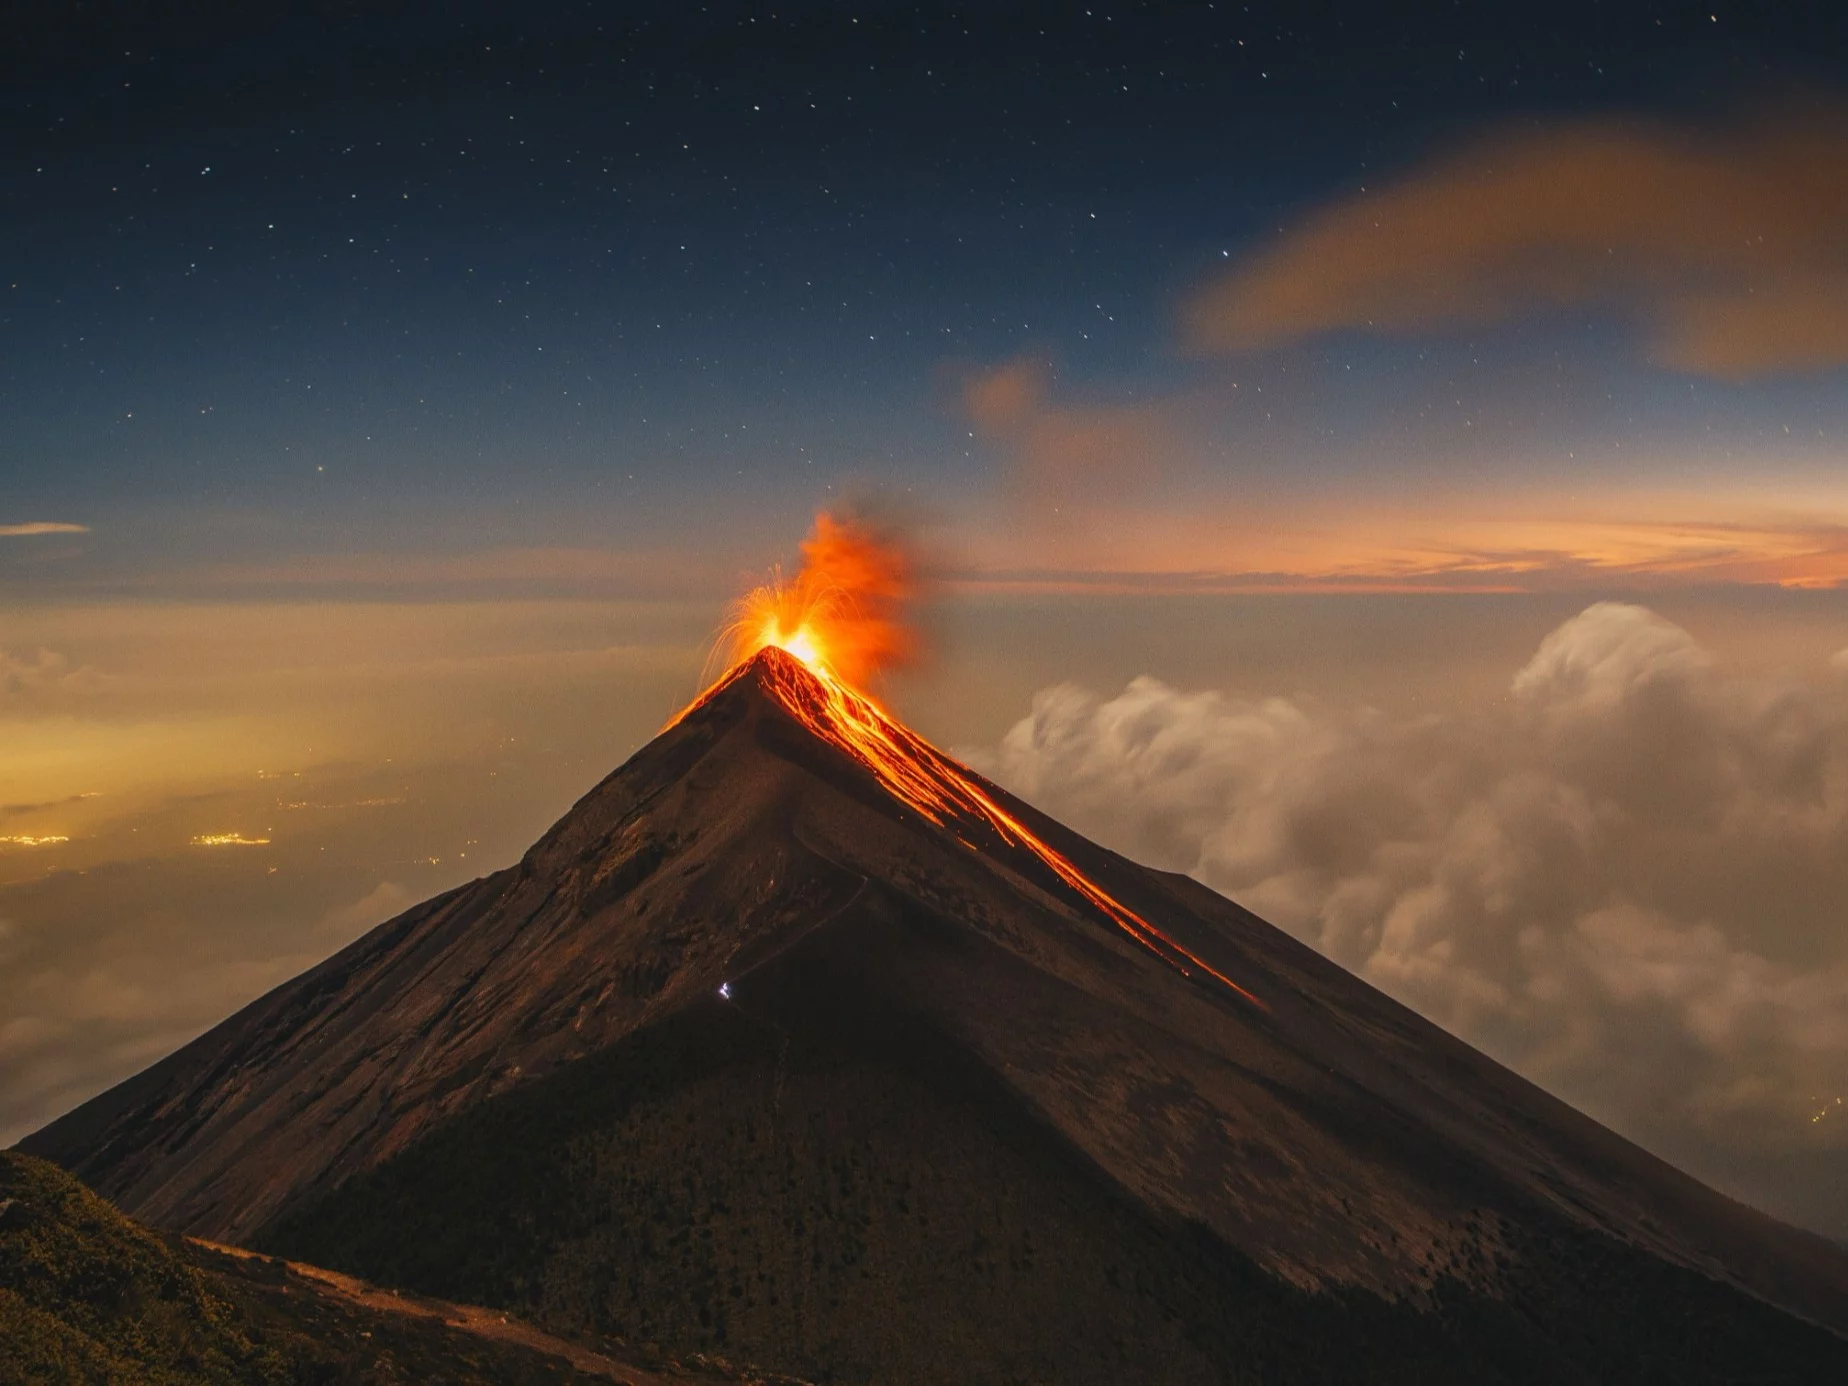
(924, 778)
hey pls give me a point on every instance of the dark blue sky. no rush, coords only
(385, 276)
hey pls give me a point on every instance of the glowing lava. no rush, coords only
(844, 613)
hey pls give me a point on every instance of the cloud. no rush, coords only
(1004, 398)
(1628, 881)
(41, 527)
(105, 970)
(1340, 542)
(21, 810)
(44, 676)
(341, 926)
(1132, 492)
(496, 572)
(1725, 246)
(1064, 454)
(129, 941)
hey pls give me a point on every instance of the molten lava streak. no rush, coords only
(840, 619)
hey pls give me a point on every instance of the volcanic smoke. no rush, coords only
(844, 611)
(842, 619)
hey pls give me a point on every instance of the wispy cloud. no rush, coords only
(1066, 453)
(1724, 245)
(1481, 540)
(41, 527)
(499, 572)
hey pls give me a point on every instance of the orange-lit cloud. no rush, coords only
(1065, 453)
(41, 527)
(1001, 400)
(1510, 547)
(1519, 553)
(1726, 246)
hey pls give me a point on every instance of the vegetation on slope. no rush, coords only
(852, 1205)
(89, 1296)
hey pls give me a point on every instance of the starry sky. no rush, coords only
(1386, 460)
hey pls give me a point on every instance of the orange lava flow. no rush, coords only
(823, 621)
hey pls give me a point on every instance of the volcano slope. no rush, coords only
(751, 1057)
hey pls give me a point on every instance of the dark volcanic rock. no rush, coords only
(952, 1123)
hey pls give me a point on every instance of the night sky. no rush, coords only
(1390, 465)
(423, 280)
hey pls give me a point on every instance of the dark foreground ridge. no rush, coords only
(945, 1123)
(86, 1295)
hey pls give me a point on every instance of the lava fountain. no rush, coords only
(842, 619)
(845, 610)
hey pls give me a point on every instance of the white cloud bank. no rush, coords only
(1629, 880)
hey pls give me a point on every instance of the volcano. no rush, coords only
(796, 1042)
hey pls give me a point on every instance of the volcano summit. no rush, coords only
(798, 1043)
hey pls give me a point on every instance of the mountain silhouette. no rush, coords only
(854, 1066)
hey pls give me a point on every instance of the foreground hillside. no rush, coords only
(87, 1295)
